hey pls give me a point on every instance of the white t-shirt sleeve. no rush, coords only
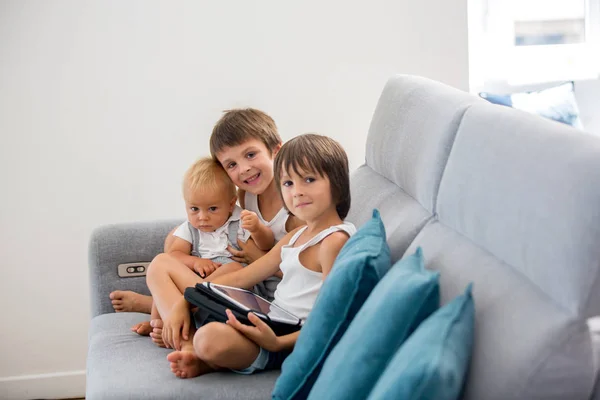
(243, 234)
(183, 232)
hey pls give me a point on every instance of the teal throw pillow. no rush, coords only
(399, 303)
(359, 266)
(433, 362)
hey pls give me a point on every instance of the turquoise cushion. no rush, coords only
(433, 362)
(359, 266)
(399, 303)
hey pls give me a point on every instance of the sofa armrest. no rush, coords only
(112, 245)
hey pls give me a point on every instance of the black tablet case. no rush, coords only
(211, 307)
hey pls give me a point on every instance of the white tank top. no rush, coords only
(300, 286)
(277, 224)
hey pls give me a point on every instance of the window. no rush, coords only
(549, 22)
(531, 41)
(559, 31)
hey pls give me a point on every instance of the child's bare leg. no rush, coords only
(222, 346)
(142, 328)
(224, 270)
(128, 301)
(157, 325)
(215, 346)
(185, 363)
(145, 328)
(167, 279)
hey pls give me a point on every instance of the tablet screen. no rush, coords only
(252, 301)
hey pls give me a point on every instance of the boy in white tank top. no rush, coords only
(311, 173)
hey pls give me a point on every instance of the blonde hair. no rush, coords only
(323, 155)
(239, 125)
(207, 174)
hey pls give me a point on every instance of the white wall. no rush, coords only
(104, 104)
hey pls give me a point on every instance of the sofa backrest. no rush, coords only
(406, 153)
(528, 191)
(503, 199)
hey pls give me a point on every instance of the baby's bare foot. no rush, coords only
(128, 301)
(143, 328)
(186, 364)
(156, 333)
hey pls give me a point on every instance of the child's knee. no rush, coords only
(159, 261)
(153, 273)
(210, 341)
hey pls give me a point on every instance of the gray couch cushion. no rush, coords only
(403, 217)
(527, 190)
(111, 245)
(123, 365)
(412, 131)
(526, 346)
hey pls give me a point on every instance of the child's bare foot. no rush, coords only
(156, 333)
(126, 300)
(186, 364)
(143, 328)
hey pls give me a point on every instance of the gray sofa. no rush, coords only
(507, 200)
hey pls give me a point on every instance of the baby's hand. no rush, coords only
(248, 254)
(205, 267)
(250, 221)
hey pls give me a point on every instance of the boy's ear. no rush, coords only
(276, 149)
(232, 203)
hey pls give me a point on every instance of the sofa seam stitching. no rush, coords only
(439, 184)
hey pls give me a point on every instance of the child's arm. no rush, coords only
(181, 249)
(259, 270)
(262, 334)
(176, 326)
(249, 252)
(261, 234)
(329, 249)
(256, 272)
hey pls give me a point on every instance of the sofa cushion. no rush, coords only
(433, 362)
(111, 245)
(402, 215)
(412, 131)
(359, 266)
(522, 188)
(526, 346)
(398, 304)
(124, 365)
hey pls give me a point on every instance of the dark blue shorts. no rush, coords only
(265, 361)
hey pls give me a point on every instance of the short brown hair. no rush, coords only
(207, 173)
(237, 126)
(323, 155)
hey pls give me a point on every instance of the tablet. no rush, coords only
(249, 301)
